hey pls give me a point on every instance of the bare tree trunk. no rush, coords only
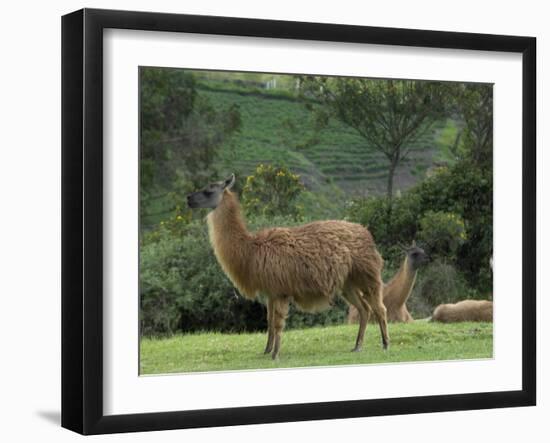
(391, 173)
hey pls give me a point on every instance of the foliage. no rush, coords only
(401, 229)
(474, 102)
(388, 114)
(183, 287)
(180, 134)
(318, 346)
(439, 282)
(465, 190)
(444, 232)
(271, 191)
(450, 213)
(335, 315)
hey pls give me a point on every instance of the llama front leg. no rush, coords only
(270, 332)
(280, 312)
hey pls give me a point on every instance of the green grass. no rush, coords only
(445, 141)
(320, 346)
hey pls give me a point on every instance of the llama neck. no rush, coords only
(399, 288)
(230, 238)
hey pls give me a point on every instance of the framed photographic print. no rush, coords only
(269, 221)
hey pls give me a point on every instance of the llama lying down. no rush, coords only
(465, 310)
(308, 265)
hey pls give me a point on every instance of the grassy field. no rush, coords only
(320, 346)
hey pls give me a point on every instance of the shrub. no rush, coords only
(444, 232)
(183, 288)
(335, 315)
(450, 213)
(390, 226)
(166, 261)
(272, 191)
(466, 190)
(439, 282)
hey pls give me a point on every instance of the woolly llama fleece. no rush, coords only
(308, 265)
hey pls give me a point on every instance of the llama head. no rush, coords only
(211, 195)
(416, 256)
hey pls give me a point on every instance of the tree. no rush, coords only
(389, 114)
(471, 180)
(467, 190)
(475, 104)
(181, 134)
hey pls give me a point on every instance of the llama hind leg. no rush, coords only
(373, 296)
(280, 312)
(354, 297)
(270, 332)
(365, 305)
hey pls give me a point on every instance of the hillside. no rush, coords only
(333, 161)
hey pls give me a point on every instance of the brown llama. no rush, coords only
(398, 290)
(307, 265)
(465, 310)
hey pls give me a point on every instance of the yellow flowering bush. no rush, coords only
(175, 225)
(272, 190)
(443, 231)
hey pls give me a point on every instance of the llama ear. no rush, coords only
(229, 182)
(413, 245)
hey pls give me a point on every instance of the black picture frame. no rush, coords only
(82, 218)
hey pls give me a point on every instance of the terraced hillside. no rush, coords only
(334, 162)
(277, 127)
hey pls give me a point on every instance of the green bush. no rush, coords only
(182, 288)
(450, 213)
(437, 283)
(444, 232)
(465, 190)
(335, 315)
(272, 191)
(391, 226)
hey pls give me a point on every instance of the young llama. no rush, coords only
(398, 290)
(307, 265)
